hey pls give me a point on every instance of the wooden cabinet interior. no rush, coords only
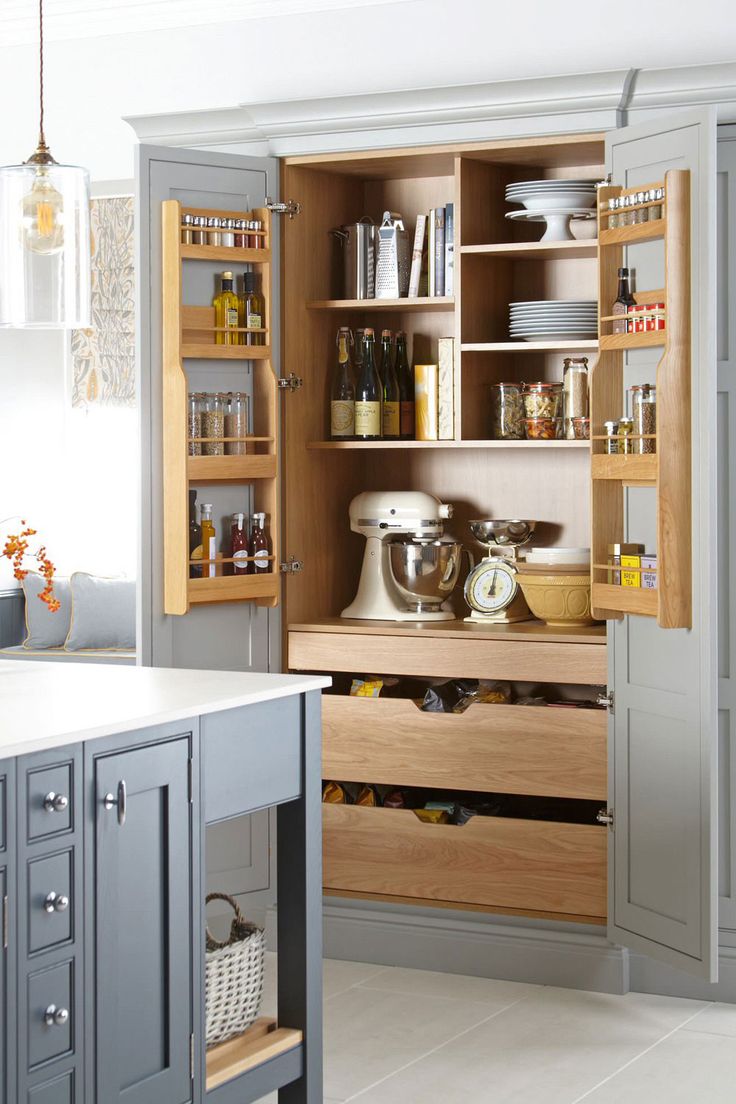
(668, 470)
(192, 361)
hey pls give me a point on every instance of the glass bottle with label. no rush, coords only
(623, 301)
(368, 393)
(239, 536)
(195, 537)
(342, 394)
(226, 312)
(260, 546)
(209, 540)
(252, 310)
(406, 389)
(390, 416)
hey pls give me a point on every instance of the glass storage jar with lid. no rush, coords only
(194, 423)
(575, 392)
(213, 425)
(542, 399)
(507, 412)
(643, 406)
(236, 423)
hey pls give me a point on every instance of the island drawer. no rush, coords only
(50, 901)
(60, 1090)
(50, 1013)
(50, 799)
(545, 752)
(449, 657)
(490, 862)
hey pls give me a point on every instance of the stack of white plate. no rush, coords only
(554, 320)
(557, 555)
(552, 195)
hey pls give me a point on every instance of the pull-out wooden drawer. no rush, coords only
(503, 748)
(495, 863)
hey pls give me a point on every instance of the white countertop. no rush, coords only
(48, 705)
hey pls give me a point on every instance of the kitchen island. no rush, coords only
(108, 779)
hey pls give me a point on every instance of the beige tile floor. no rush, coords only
(395, 1036)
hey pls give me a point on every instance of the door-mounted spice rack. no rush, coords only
(189, 333)
(668, 468)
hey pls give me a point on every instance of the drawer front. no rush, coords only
(496, 748)
(50, 798)
(60, 1090)
(490, 862)
(517, 660)
(50, 901)
(49, 993)
(237, 777)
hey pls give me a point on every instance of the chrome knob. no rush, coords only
(55, 902)
(55, 803)
(55, 1017)
(110, 801)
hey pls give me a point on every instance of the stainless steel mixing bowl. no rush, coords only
(425, 572)
(502, 531)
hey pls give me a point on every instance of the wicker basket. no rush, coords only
(234, 976)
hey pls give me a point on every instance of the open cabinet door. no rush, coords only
(221, 634)
(663, 730)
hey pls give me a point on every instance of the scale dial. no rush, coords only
(491, 586)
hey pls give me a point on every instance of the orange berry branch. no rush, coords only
(16, 550)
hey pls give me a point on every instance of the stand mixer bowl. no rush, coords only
(425, 572)
(496, 531)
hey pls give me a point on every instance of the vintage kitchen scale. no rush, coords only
(492, 588)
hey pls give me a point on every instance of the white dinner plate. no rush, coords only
(558, 182)
(556, 335)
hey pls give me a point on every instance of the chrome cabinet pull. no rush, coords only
(55, 803)
(55, 902)
(121, 801)
(55, 1017)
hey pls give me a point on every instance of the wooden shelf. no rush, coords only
(459, 629)
(527, 346)
(233, 588)
(625, 469)
(262, 1041)
(536, 251)
(225, 253)
(638, 600)
(629, 235)
(647, 340)
(418, 303)
(225, 469)
(210, 351)
(446, 444)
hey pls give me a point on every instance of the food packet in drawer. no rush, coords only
(334, 794)
(433, 816)
(365, 688)
(450, 697)
(492, 692)
(367, 797)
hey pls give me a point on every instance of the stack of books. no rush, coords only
(434, 238)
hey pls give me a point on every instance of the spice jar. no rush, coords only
(628, 217)
(187, 230)
(507, 412)
(239, 233)
(640, 214)
(236, 423)
(612, 441)
(580, 428)
(199, 234)
(214, 231)
(575, 392)
(228, 232)
(643, 400)
(213, 425)
(542, 400)
(625, 428)
(613, 215)
(656, 195)
(194, 422)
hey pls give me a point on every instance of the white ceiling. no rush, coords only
(67, 19)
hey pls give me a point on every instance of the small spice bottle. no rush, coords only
(612, 441)
(194, 422)
(187, 230)
(640, 214)
(613, 215)
(199, 234)
(625, 428)
(214, 231)
(643, 399)
(228, 232)
(239, 233)
(236, 423)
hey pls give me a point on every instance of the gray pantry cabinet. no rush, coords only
(102, 977)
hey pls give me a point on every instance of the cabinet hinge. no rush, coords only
(290, 382)
(5, 923)
(190, 780)
(290, 208)
(605, 816)
(607, 699)
(191, 1057)
(292, 566)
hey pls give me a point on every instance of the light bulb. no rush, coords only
(42, 216)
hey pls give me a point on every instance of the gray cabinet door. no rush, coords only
(662, 765)
(143, 929)
(8, 937)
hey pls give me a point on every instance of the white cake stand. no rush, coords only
(558, 222)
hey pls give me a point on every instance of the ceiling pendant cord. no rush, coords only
(41, 135)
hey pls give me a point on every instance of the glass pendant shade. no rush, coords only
(44, 246)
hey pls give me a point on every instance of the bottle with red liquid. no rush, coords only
(260, 546)
(239, 537)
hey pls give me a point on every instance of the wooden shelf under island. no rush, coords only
(263, 1041)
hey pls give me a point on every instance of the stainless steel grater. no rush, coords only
(394, 258)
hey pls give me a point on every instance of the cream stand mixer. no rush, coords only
(408, 569)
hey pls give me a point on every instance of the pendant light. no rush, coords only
(44, 237)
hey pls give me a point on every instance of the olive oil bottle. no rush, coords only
(252, 310)
(226, 312)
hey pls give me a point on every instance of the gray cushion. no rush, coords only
(103, 613)
(45, 629)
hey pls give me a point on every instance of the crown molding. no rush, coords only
(474, 112)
